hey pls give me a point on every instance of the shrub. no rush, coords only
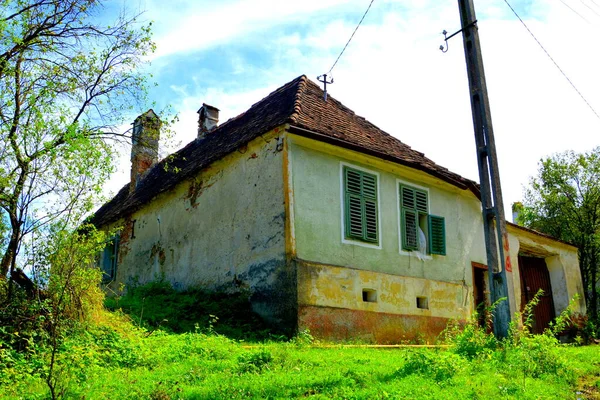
(439, 366)
(470, 339)
(537, 355)
(254, 361)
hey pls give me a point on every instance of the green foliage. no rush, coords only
(110, 356)
(67, 81)
(124, 362)
(469, 339)
(157, 304)
(535, 356)
(440, 366)
(303, 338)
(23, 323)
(562, 201)
(254, 361)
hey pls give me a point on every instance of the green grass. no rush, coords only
(210, 348)
(158, 305)
(106, 365)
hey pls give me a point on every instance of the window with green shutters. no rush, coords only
(414, 214)
(360, 208)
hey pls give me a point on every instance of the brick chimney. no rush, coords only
(144, 145)
(207, 120)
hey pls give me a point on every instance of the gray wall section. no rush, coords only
(223, 230)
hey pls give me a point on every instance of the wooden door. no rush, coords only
(479, 289)
(535, 276)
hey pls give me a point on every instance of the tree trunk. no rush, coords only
(7, 262)
(593, 284)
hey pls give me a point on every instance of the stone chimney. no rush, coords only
(207, 120)
(144, 145)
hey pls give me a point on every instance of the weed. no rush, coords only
(254, 361)
(470, 339)
(303, 338)
(440, 366)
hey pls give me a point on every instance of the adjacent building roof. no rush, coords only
(298, 103)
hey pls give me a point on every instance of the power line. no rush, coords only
(591, 9)
(552, 59)
(572, 9)
(351, 36)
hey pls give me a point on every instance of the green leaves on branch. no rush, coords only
(69, 82)
(563, 200)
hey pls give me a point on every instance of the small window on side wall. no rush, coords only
(360, 206)
(109, 259)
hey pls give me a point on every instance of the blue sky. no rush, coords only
(232, 53)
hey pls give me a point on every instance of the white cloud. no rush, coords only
(394, 75)
(200, 25)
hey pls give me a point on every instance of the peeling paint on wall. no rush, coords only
(221, 230)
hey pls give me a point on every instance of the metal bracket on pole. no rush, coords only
(444, 32)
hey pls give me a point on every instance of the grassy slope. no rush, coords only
(208, 366)
(116, 359)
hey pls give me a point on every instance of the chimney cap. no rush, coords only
(205, 106)
(150, 114)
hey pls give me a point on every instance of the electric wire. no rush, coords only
(351, 36)
(572, 9)
(552, 59)
(591, 9)
(594, 3)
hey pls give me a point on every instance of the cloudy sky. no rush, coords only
(232, 53)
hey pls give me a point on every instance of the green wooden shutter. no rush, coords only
(370, 220)
(360, 205)
(412, 201)
(354, 216)
(437, 234)
(407, 196)
(421, 201)
(409, 230)
(369, 191)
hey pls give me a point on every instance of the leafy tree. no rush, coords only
(563, 200)
(67, 80)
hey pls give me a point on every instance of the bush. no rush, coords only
(537, 355)
(439, 366)
(254, 361)
(470, 340)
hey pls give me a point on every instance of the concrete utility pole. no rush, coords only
(489, 177)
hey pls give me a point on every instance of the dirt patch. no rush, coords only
(589, 387)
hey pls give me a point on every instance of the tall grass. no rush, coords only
(121, 358)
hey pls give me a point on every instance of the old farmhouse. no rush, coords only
(330, 223)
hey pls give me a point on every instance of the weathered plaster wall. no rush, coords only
(332, 305)
(397, 276)
(223, 230)
(561, 260)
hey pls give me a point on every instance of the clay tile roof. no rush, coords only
(299, 103)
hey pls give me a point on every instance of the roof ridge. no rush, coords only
(302, 83)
